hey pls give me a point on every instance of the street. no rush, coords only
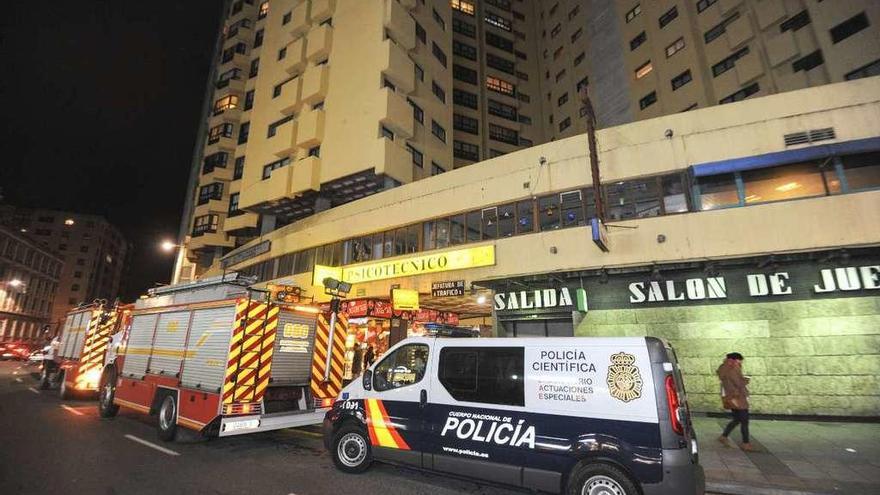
(50, 446)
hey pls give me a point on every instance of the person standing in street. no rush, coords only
(735, 397)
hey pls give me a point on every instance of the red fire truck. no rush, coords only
(81, 354)
(220, 358)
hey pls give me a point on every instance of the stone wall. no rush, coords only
(804, 357)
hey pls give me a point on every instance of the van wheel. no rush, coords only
(64, 391)
(600, 479)
(106, 407)
(168, 419)
(351, 450)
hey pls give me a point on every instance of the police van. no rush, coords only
(570, 415)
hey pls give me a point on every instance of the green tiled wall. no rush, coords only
(804, 357)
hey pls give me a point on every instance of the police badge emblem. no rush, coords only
(624, 380)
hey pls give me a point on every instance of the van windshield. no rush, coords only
(402, 367)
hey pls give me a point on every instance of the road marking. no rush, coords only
(19, 380)
(152, 445)
(68, 408)
(32, 389)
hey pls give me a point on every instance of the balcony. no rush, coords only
(216, 174)
(204, 240)
(395, 162)
(295, 61)
(211, 206)
(234, 83)
(322, 10)
(239, 61)
(319, 42)
(244, 224)
(238, 33)
(290, 98)
(226, 144)
(310, 129)
(282, 143)
(299, 22)
(314, 83)
(284, 184)
(400, 25)
(398, 115)
(398, 68)
(305, 175)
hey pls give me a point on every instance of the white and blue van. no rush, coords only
(563, 415)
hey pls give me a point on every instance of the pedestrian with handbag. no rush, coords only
(735, 397)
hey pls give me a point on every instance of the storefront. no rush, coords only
(808, 323)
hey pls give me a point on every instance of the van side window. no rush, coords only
(403, 367)
(490, 375)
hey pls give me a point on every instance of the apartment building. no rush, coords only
(93, 250)
(29, 276)
(316, 103)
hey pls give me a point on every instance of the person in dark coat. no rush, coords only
(735, 397)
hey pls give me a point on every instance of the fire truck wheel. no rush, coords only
(598, 478)
(106, 407)
(168, 418)
(64, 392)
(44, 379)
(351, 450)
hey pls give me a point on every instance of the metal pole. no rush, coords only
(594, 154)
(330, 341)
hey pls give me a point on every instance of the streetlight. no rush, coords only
(168, 246)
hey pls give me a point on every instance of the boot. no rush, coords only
(748, 447)
(724, 441)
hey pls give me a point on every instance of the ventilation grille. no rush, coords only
(807, 137)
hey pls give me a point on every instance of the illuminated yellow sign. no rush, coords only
(405, 299)
(407, 267)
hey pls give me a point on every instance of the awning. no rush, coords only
(786, 157)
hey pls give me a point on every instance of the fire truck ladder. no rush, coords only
(250, 356)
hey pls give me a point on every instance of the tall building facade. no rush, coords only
(29, 276)
(316, 103)
(93, 250)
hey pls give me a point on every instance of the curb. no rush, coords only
(738, 489)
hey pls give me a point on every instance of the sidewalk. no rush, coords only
(792, 457)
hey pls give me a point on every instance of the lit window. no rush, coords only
(462, 6)
(632, 14)
(226, 103)
(644, 70)
(675, 47)
(500, 86)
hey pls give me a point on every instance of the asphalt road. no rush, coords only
(49, 446)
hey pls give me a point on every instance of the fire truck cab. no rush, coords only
(222, 359)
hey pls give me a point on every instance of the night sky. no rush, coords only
(101, 109)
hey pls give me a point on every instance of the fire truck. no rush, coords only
(84, 342)
(220, 358)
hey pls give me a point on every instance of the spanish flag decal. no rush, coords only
(382, 432)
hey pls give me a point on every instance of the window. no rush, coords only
(387, 133)
(796, 22)
(577, 34)
(436, 169)
(729, 62)
(503, 134)
(74, 287)
(463, 27)
(418, 113)
(498, 21)
(502, 110)
(223, 130)
(462, 6)
(849, 27)
(558, 52)
(579, 59)
(403, 367)
(862, 171)
(273, 127)
(204, 224)
(462, 73)
(267, 169)
(238, 170)
(565, 124)
(562, 100)
(555, 31)
(719, 29)
(466, 151)
(633, 13)
(258, 38)
(501, 4)
(500, 86)
(704, 4)
(249, 100)
(464, 98)
(315, 151)
(229, 53)
(681, 79)
(633, 199)
(243, 132)
(648, 100)
(438, 131)
(520, 55)
(808, 62)
(675, 47)
(77, 274)
(420, 33)
(525, 119)
(255, 68)
(215, 160)
(872, 69)
(418, 158)
(583, 83)
(644, 69)
(419, 72)
(62, 247)
(500, 63)
(464, 50)
(574, 12)
(286, 18)
(224, 78)
(560, 75)
(82, 262)
(439, 20)
(741, 94)
(438, 53)
(264, 10)
(233, 205)
(282, 53)
(499, 42)
(465, 123)
(488, 375)
(438, 91)
(800, 180)
(668, 17)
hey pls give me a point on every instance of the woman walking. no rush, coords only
(735, 396)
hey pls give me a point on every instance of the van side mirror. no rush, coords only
(368, 379)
